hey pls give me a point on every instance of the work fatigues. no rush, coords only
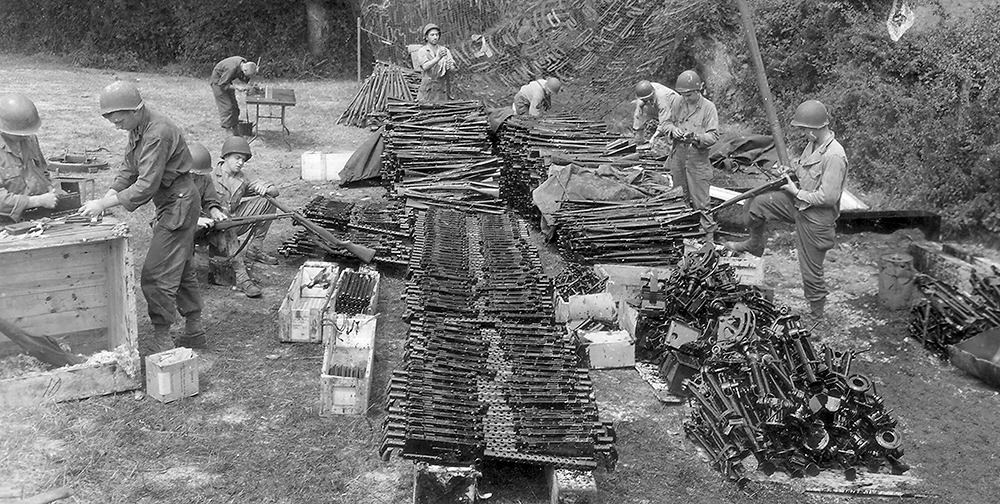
(822, 172)
(654, 109)
(688, 163)
(223, 75)
(22, 174)
(434, 82)
(533, 98)
(156, 167)
(242, 198)
(220, 243)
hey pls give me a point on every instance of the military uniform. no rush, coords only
(688, 162)
(156, 168)
(223, 75)
(22, 174)
(822, 172)
(655, 108)
(533, 99)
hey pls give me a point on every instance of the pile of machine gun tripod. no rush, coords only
(763, 396)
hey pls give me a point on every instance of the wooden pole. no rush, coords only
(358, 37)
(765, 90)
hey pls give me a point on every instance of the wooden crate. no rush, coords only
(76, 284)
(372, 298)
(300, 316)
(348, 361)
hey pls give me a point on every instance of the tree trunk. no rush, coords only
(318, 27)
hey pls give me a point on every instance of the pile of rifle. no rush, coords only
(385, 228)
(648, 231)
(527, 145)
(487, 374)
(440, 154)
(946, 316)
(387, 81)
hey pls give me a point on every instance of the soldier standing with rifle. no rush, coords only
(813, 205)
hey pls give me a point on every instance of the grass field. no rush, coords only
(253, 434)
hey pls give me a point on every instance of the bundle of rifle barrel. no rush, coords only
(387, 81)
(385, 228)
(440, 154)
(487, 374)
(647, 231)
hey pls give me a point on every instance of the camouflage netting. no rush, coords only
(599, 48)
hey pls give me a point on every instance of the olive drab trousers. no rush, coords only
(690, 169)
(815, 233)
(168, 279)
(229, 108)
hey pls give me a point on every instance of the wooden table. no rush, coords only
(271, 97)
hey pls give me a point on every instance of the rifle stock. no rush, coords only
(763, 188)
(364, 253)
(250, 219)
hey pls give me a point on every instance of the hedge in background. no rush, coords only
(191, 34)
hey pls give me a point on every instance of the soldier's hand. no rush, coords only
(92, 208)
(47, 200)
(205, 222)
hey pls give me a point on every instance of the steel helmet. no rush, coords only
(237, 144)
(428, 27)
(249, 68)
(120, 95)
(688, 80)
(553, 84)
(643, 89)
(18, 115)
(811, 114)
(201, 160)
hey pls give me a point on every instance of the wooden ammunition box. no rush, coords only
(300, 316)
(75, 283)
(348, 362)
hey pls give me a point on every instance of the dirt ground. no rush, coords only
(253, 433)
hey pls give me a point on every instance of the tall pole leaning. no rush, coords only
(746, 15)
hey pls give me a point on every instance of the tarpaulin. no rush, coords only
(743, 150)
(575, 182)
(366, 162)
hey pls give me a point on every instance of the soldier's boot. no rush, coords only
(256, 253)
(243, 281)
(753, 246)
(194, 333)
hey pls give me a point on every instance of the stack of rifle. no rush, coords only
(648, 231)
(440, 154)
(383, 227)
(387, 81)
(946, 316)
(487, 373)
(529, 144)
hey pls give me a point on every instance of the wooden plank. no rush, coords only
(69, 255)
(65, 384)
(63, 235)
(121, 320)
(20, 306)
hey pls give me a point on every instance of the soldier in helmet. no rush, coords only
(224, 86)
(24, 182)
(535, 97)
(156, 167)
(653, 102)
(242, 197)
(223, 243)
(435, 63)
(813, 204)
(693, 124)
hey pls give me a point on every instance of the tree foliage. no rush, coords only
(190, 34)
(917, 117)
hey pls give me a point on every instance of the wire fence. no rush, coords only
(599, 48)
